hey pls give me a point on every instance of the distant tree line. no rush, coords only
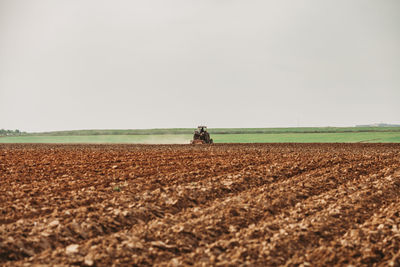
(189, 131)
(4, 132)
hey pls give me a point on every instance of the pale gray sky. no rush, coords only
(90, 64)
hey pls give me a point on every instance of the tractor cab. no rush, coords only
(202, 129)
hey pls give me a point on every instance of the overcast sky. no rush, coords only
(115, 64)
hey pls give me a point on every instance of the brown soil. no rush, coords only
(260, 204)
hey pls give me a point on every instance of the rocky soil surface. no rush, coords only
(173, 205)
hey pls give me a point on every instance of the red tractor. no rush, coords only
(201, 136)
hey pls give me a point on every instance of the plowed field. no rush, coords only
(259, 204)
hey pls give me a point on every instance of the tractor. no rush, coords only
(201, 136)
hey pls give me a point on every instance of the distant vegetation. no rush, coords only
(347, 137)
(222, 131)
(370, 134)
(4, 132)
(220, 135)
